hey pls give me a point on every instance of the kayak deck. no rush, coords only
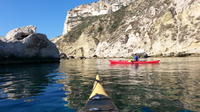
(133, 62)
(99, 101)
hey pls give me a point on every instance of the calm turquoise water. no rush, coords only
(171, 86)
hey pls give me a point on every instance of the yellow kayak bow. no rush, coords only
(98, 88)
(99, 101)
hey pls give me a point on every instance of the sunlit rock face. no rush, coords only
(25, 43)
(156, 27)
(77, 15)
(20, 33)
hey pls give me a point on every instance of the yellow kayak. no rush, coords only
(99, 101)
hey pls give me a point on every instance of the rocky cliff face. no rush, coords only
(157, 27)
(78, 14)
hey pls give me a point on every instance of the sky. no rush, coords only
(47, 15)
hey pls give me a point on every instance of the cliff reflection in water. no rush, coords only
(78, 82)
(171, 86)
(21, 81)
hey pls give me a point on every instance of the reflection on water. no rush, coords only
(171, 86)
(31, 88)
(24, 81)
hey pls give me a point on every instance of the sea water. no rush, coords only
(171, 86)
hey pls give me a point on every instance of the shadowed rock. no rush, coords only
(63, 56)
(20, 33)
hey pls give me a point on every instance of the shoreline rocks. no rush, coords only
(24, 45)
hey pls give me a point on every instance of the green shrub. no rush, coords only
(117, 18)
(75, 32)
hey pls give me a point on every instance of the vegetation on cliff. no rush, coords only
(157, 27)
(75, 33)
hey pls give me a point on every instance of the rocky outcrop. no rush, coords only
(63, 56)
(24, 43)
(156, 27)
(20, 33)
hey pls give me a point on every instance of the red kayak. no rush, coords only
(132, 62)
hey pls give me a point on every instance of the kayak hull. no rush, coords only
(133, 62)
(99, 103)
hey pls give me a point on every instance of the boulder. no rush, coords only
(82, 57)
(63, 56)
(182, 54)
(141, 53)
(71, 57)
(20, 33)
(95, 56)
(170, 54)
(24, 43)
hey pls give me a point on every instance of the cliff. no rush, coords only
(157, 27)
(102, 7)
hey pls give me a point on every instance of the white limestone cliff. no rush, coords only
(157, 27)
(76, 15)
